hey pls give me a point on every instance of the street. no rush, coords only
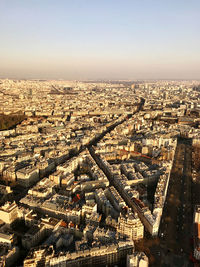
(176, 225)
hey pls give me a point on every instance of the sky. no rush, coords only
(100, 39)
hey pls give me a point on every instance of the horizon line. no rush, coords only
(101, 79)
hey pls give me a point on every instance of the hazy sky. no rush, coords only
(100, 39)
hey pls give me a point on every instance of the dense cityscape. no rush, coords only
(99, 173)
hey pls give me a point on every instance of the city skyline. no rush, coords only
(99, 40)
(94, 166)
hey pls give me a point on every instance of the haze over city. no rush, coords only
(113, 39)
